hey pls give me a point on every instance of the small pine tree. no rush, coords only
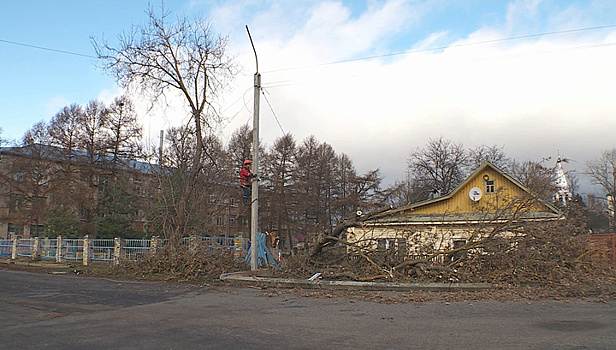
(116, 209)
(62, 222)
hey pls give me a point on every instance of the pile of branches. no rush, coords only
(547, 256)
(183, 263)
(552, 258)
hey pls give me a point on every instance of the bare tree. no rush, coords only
(240, 145)
(314, 186)
(180, 147)
(439, 167)
(65, 127)
(536, 177)
(280, 166)
(31, 178)
(368, 190)
(93, 125)
(493, 154)
(125, 132)
(66, 131)
(162, 56)
(346, 199)
(603, 173)
(165, 57)
(216, 184)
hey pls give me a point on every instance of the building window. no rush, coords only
(489, 186)
(14, 230)
(16, 204)
(37, 230)
(18, 176)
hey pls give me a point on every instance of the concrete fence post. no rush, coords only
(117, 250)
(192, 242)
(87, 250)
(154, 243)
(15, 247)
(238, 245)
(36, 249)
(59, 250)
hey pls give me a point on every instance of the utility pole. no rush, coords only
(254, 217)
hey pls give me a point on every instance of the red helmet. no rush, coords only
(247, 161)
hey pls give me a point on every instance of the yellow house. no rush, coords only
(488, 202)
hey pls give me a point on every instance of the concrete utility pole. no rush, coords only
(254, 217)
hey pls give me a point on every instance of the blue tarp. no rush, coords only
(264, 256)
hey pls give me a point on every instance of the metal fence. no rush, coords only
(69, 249)
(103, 249)
(87, 250)
(6, 247)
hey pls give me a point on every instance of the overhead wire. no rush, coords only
(272, 110)
(284, 83)
(445, 47)
(47, 49)
(291, 82)
(38, 47)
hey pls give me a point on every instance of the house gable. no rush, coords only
(493, 190)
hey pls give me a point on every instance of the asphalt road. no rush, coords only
(44, 311)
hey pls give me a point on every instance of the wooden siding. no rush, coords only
(459, 201)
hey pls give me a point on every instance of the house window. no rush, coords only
(457, 243)
(391, 245)
(402, 250)
(489, 186)
(381, 244)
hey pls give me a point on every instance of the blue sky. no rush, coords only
(537, 95)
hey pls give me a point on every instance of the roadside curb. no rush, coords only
(242, 278)
(32, 263)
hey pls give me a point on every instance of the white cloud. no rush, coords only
(107, 96)
(536, 96)
(55, 104)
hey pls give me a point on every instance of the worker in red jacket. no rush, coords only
(246, 180)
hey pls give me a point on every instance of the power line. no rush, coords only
(286, 83)
(274, 113)
(47, 49)
(445, 47)
(358, 58)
